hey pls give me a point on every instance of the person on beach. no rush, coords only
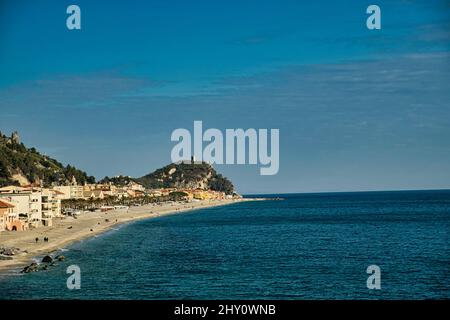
(37, 239)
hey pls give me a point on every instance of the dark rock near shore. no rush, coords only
(34, 267)
(60, 258)
(9, 251)
(47, 262)
(47, 259)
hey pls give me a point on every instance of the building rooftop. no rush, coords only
(4, 204)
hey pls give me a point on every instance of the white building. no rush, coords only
(51, 205)
(27, 203)
(70, 192)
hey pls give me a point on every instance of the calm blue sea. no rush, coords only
(308, 246)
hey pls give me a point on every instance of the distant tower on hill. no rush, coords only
(15, 137)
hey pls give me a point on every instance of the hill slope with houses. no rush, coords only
(22, 166)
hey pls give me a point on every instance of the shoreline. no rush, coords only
(68, 230)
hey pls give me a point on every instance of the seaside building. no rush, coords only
(201, 194)
(51, 205)
(98, 194)
(70, 192)
(189, 193)
(100, 191)
(27, 204)
(9, 219)
(122, 193)
(6, 213)
(166, 191)
(154, 193)
(93, 194)
(58, 194)
(135, 186)
(135, 193)
(109, 190)
(88, 194)
(76, 192)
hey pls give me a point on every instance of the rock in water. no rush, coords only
(31, 268)
(47, 259)
(60, 258)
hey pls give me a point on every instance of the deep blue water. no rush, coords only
(308, 246)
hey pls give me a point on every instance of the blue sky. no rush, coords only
(357, 109)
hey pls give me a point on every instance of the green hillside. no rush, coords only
(187, 175)
(20, 165)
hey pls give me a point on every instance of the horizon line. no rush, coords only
(354, 191)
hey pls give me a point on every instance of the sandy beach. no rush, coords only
(68, 230)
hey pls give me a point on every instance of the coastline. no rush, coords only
(68, 230)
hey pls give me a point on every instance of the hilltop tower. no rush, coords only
(15, 137)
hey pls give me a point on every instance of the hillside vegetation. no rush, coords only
(20, 165)
(187, 175)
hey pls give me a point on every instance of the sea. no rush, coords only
(305, 246)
